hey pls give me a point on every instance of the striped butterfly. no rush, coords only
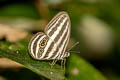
(52, 43)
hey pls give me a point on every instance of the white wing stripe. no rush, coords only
(33, 44)
(51, 23)
(61, 48)
(51, 53)
(54, 25)
(58, 42)
(63, 54)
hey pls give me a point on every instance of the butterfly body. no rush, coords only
(52, 43)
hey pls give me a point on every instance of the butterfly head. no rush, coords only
(67, 54)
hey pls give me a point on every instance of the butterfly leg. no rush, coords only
(63, 61)
(53, 63)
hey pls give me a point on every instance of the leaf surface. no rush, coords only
(19, 52)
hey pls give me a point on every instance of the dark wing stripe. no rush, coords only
(53, 21)
(50, 34)
(63, 51)
(55, 52)
(61, 43)
(35, 44)
(57, 25)
(58, 36)
(49, 49)
(65, 46)
(40, 52)
(63, 39)
(62, 30)
(30, 44)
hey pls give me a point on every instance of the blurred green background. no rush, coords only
(94, 23)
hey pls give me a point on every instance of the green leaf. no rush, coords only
(19, 53)
(19, 10)
(79, 69)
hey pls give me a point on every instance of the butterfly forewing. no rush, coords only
(58, 30)
(52, 44)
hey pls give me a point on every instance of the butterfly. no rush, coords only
(52, 43)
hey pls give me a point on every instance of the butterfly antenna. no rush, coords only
(73, 46)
